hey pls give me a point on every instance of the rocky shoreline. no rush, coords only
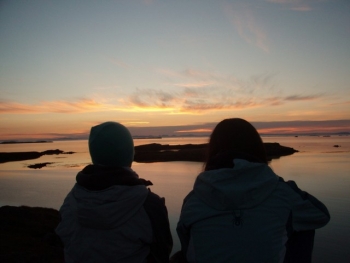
(28, 235)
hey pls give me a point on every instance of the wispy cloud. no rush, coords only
(302, 127)
(81, 105)
(136, 122)
(198, 93)
(194, 85)
(247, 25)
(201, 100)
(43, 136)
(150, 98)
(277, 127)
(190, 78)
(202, 91)
(302, 98)
(195, 131)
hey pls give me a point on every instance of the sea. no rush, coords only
(321, 167)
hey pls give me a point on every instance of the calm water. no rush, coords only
(318, 168)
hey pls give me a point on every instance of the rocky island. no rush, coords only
(21, 156)
(155, 152)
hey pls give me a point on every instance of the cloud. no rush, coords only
(194, 73)
(201, 91)
(205, 130)
(302, 98)
(147, 98)
(194, 85)
(190, 78)
(302, 127)
(201, 100)
(247, 26)
(28, 136)
(276, 127)
(136, 122)
(81, 105)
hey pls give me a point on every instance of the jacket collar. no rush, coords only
(225, 160)
(96, 178)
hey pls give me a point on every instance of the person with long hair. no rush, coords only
(240, 211)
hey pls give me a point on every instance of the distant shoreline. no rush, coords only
(164, 137)
(15, 142)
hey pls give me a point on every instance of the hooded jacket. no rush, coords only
(240, 214)
(111, 216)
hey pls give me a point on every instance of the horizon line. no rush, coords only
(142, 137)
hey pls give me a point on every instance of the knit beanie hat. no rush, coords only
(111, 144)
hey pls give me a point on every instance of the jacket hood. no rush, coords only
(244, 186)
(105, 198)
(111, 144)
(108, 208)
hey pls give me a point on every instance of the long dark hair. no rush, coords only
(236, 135)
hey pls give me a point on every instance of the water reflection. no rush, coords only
(318, 168)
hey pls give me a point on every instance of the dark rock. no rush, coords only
(52, 152)
(27, 235)
(21, 156)
(18, 156)
(274, 150)
(38, 165)
(194, 152)
(336, 145)
(165, 153)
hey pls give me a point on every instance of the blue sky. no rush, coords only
(66, 66)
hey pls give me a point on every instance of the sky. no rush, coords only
(173, 67)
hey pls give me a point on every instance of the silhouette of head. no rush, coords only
(111, 144)
(238, 136)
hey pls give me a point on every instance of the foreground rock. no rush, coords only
(194, 152)
(27, 235)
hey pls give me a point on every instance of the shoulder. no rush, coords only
(291, 188)
(154, 200)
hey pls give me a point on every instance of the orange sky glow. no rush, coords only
(173, 68)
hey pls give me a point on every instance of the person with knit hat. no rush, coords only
(110, 215)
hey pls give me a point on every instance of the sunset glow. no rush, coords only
(172, 67)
